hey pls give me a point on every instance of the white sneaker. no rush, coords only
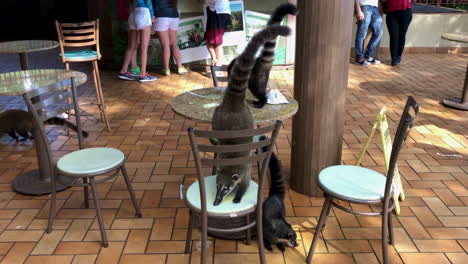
(363, 63)
(373, 61)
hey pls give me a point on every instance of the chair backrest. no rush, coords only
(49, 101)
(216, 72)
(260, 156)
(402, 132)
(85, 34)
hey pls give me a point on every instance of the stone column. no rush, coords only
(323, 42)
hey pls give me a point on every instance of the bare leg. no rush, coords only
(174, 47)
(144, 41)
(131, 50)
(211, 50)
(166, 48)
(133, 62)
(219, 54)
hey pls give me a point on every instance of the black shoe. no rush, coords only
(395, 63)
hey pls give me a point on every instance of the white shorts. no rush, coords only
(165, 23)
(139, 18)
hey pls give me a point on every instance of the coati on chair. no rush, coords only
(234, 114)
(18, 121)
(261, 71)
(276, 230)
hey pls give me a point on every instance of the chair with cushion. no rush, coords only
(79, 168)
(360, 185)
(83, 38)
(219, 74)
(201, 206)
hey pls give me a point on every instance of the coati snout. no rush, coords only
(290, 239)
(222, 190)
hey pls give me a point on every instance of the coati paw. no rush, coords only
(281, 247)
(259, 104)
(84, 133)
(236, 200)
(268, 247)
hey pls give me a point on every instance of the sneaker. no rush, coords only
(127, 76)
(363, 63)
(147, 78)
(166, 72)
(373, 61)
(181, 70)
(135, 71)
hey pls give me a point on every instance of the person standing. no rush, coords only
(139, 26)
(218, 14)
(368, 17)
(167, 24)
(399, 16)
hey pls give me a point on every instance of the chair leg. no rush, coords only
(247, 220)
(384, 235)
(67, 66)
(86, 192)
(390, 230)
(261, 246)
(105, 243)
(204, 237)
(96, 87)
(323, 218)
(188, 241)
(53, 198)
(130, 190)
(99, 90)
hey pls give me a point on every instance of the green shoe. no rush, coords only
(135, 71)
(166, 72)
(181, 70)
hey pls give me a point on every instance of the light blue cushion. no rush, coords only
(353, 182)
(79, 55)
(90, 160)
(227, 206)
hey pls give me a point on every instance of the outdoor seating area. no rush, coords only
(433, 165)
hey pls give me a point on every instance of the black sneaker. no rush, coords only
(363, 62)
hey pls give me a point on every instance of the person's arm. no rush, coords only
(359, 14)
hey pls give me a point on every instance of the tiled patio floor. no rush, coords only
(432, 227)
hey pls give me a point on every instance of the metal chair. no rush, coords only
(201, 194)
(219, 74)
(83, 35)
(359, 185)
(84, 164)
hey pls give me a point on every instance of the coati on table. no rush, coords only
(234, 114)
(261, 71)
(276, 230)
(18, 121)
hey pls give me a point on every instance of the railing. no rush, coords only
(442, 2)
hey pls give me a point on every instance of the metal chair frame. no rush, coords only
(51, 101)
(404, 127)
(84, 34)
(217, 79)
(262, 157)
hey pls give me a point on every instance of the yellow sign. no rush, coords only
(382, 125)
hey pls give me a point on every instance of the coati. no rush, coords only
(18, 121)
(234, 114)
(276, 230)
(261, 71)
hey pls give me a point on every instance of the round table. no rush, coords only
(458, 103)
(23, 47)
(199, 105)
(37, 182)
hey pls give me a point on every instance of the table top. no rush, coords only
(460, 36)
(25, 46)
(20, 82)
(199, 105)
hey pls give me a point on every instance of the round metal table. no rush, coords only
(458, 103)
(23, 47)
(199, 105)
(37, 182)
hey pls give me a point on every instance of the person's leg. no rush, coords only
(392, 25)
(133, 61)
(176, 52)
(211, 50)
(219, 54)
(405, 21)
(376, 29)
(166, 48)
(144, 41)
(361, 32)
(131, 50)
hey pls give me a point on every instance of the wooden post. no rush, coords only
(323, 41)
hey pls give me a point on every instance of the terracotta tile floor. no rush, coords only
(432, 226)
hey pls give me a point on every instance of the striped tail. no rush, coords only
(277, 186)
(241, 67)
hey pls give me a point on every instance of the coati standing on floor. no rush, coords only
(234, 114)
(18, 121)
(261, 72)
(276, 230)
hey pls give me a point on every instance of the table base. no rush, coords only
(456, 103)
(29, 183)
